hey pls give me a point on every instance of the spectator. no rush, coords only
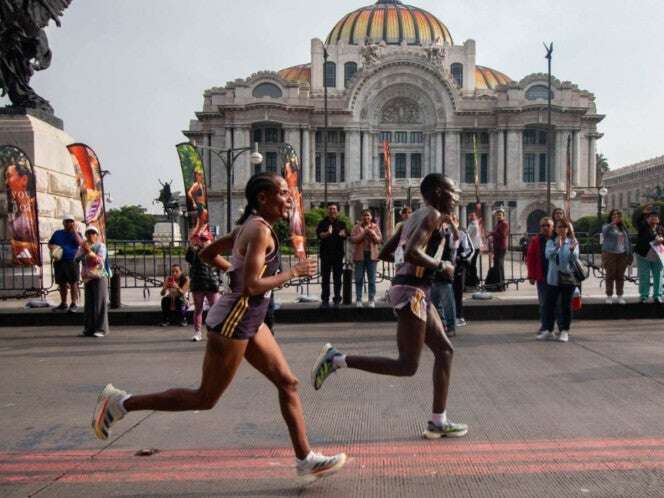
(538, 265)
(92, 254)
(174, 302)
(405, 213)
(475, 235)
(204, 280)
(64, 245)
(499, 238)
(332, 235)
(442, 292)
(560, 253)
(366, 238)
(616, 255)
(650, 232)
(559, 215)
(463, 255)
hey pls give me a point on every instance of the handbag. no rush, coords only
(567, 279)
(577, 270)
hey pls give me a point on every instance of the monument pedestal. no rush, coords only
(45, 144)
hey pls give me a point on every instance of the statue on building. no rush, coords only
(24, 47)
(436, 52)
(370, 53)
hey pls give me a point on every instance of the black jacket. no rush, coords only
(646, 236)
(204, 278)
(332, 247)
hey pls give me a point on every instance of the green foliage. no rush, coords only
(314, 216)
(282, 230)
(129, 223)
(591, 225)
(658, 205)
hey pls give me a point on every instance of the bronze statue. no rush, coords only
(24, 47)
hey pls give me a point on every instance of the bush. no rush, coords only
(314, 216)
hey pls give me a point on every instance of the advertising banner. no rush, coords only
(193, 176)
(291, 173)
(22, 223)
(89, 180)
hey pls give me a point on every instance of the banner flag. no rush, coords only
(89, 180)
(478, 202)
(291, 173)
(193, 176)
(22, 222)
(568, 179)
(389, 215)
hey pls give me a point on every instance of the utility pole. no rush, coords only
(549, 131)
(324, 158)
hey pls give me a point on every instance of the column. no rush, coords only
(453, 155)
(514, 157)
(576, 158)
(292, 137)
(366, 155)
(242, 169)
(560, 176)
(428, 160)
(353, 153)
(438, 166)
(306, 157)
(463, 214)
(500, 157)
(312, 156)
(373, 161)
(494, 139)
(592, 160)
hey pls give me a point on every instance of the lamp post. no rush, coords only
(602, 192)
(549, 132)
(231, 156)
(324, 158)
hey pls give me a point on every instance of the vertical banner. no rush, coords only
(193, 176)
(89, 180)
(478, 202)
(568, 179)
(22, 223)
(389, 215)
(291, 173)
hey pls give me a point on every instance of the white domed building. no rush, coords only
(395, 73)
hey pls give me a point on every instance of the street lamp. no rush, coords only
(255, 158)
(549, 131)
(324, 159)
(602, 192)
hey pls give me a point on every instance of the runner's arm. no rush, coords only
(415, 252)
(387, 252)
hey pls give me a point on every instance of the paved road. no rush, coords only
(582, 419)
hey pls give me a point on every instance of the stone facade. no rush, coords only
(634, 184)
(428, 98)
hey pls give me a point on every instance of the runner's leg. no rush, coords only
(442, 349)
(265, 355)
(222, 359)
(410, 340)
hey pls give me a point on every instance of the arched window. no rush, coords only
(537, 92)
(330, 80)
(350, 68)
(457, 74)
(267, 90)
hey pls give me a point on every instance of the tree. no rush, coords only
(129, 223)
(602, 167)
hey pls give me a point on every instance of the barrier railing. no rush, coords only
(145, 265)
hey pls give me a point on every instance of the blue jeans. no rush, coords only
(368, 266)
(442, 297)
(541, 297)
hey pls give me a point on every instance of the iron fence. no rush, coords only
(145, 265)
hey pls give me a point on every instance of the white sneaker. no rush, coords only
(372, 304)
(621, 300)
(197, 337)
(316, 466)
(460, 322)
(657, 300)
(563, 336)
(609, 300)
(358, 304)
(108, 410)
(544, 335)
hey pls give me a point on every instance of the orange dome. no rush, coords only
(488, 79)
(296, 73)
(392, 22)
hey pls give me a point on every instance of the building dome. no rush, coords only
(392, 22)
(488, 79)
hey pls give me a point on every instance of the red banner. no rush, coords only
(89, 180)
(389, 215)
(22, 222)
(291, 173)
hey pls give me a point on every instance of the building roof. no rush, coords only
(392, 22)
(485, 77)
(634, 168)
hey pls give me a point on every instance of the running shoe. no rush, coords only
(324, 366)
(60, 307)
(197, 337)
(72, 308)
(99, 335)
(460, 322)
(317, 466)
(372, 304)
(358, 304)
(622, 300)
(544, 335)
(609, 300)
(449, 429)
(563, 336)
(107, 411)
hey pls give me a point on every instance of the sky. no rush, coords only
(128, 75)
